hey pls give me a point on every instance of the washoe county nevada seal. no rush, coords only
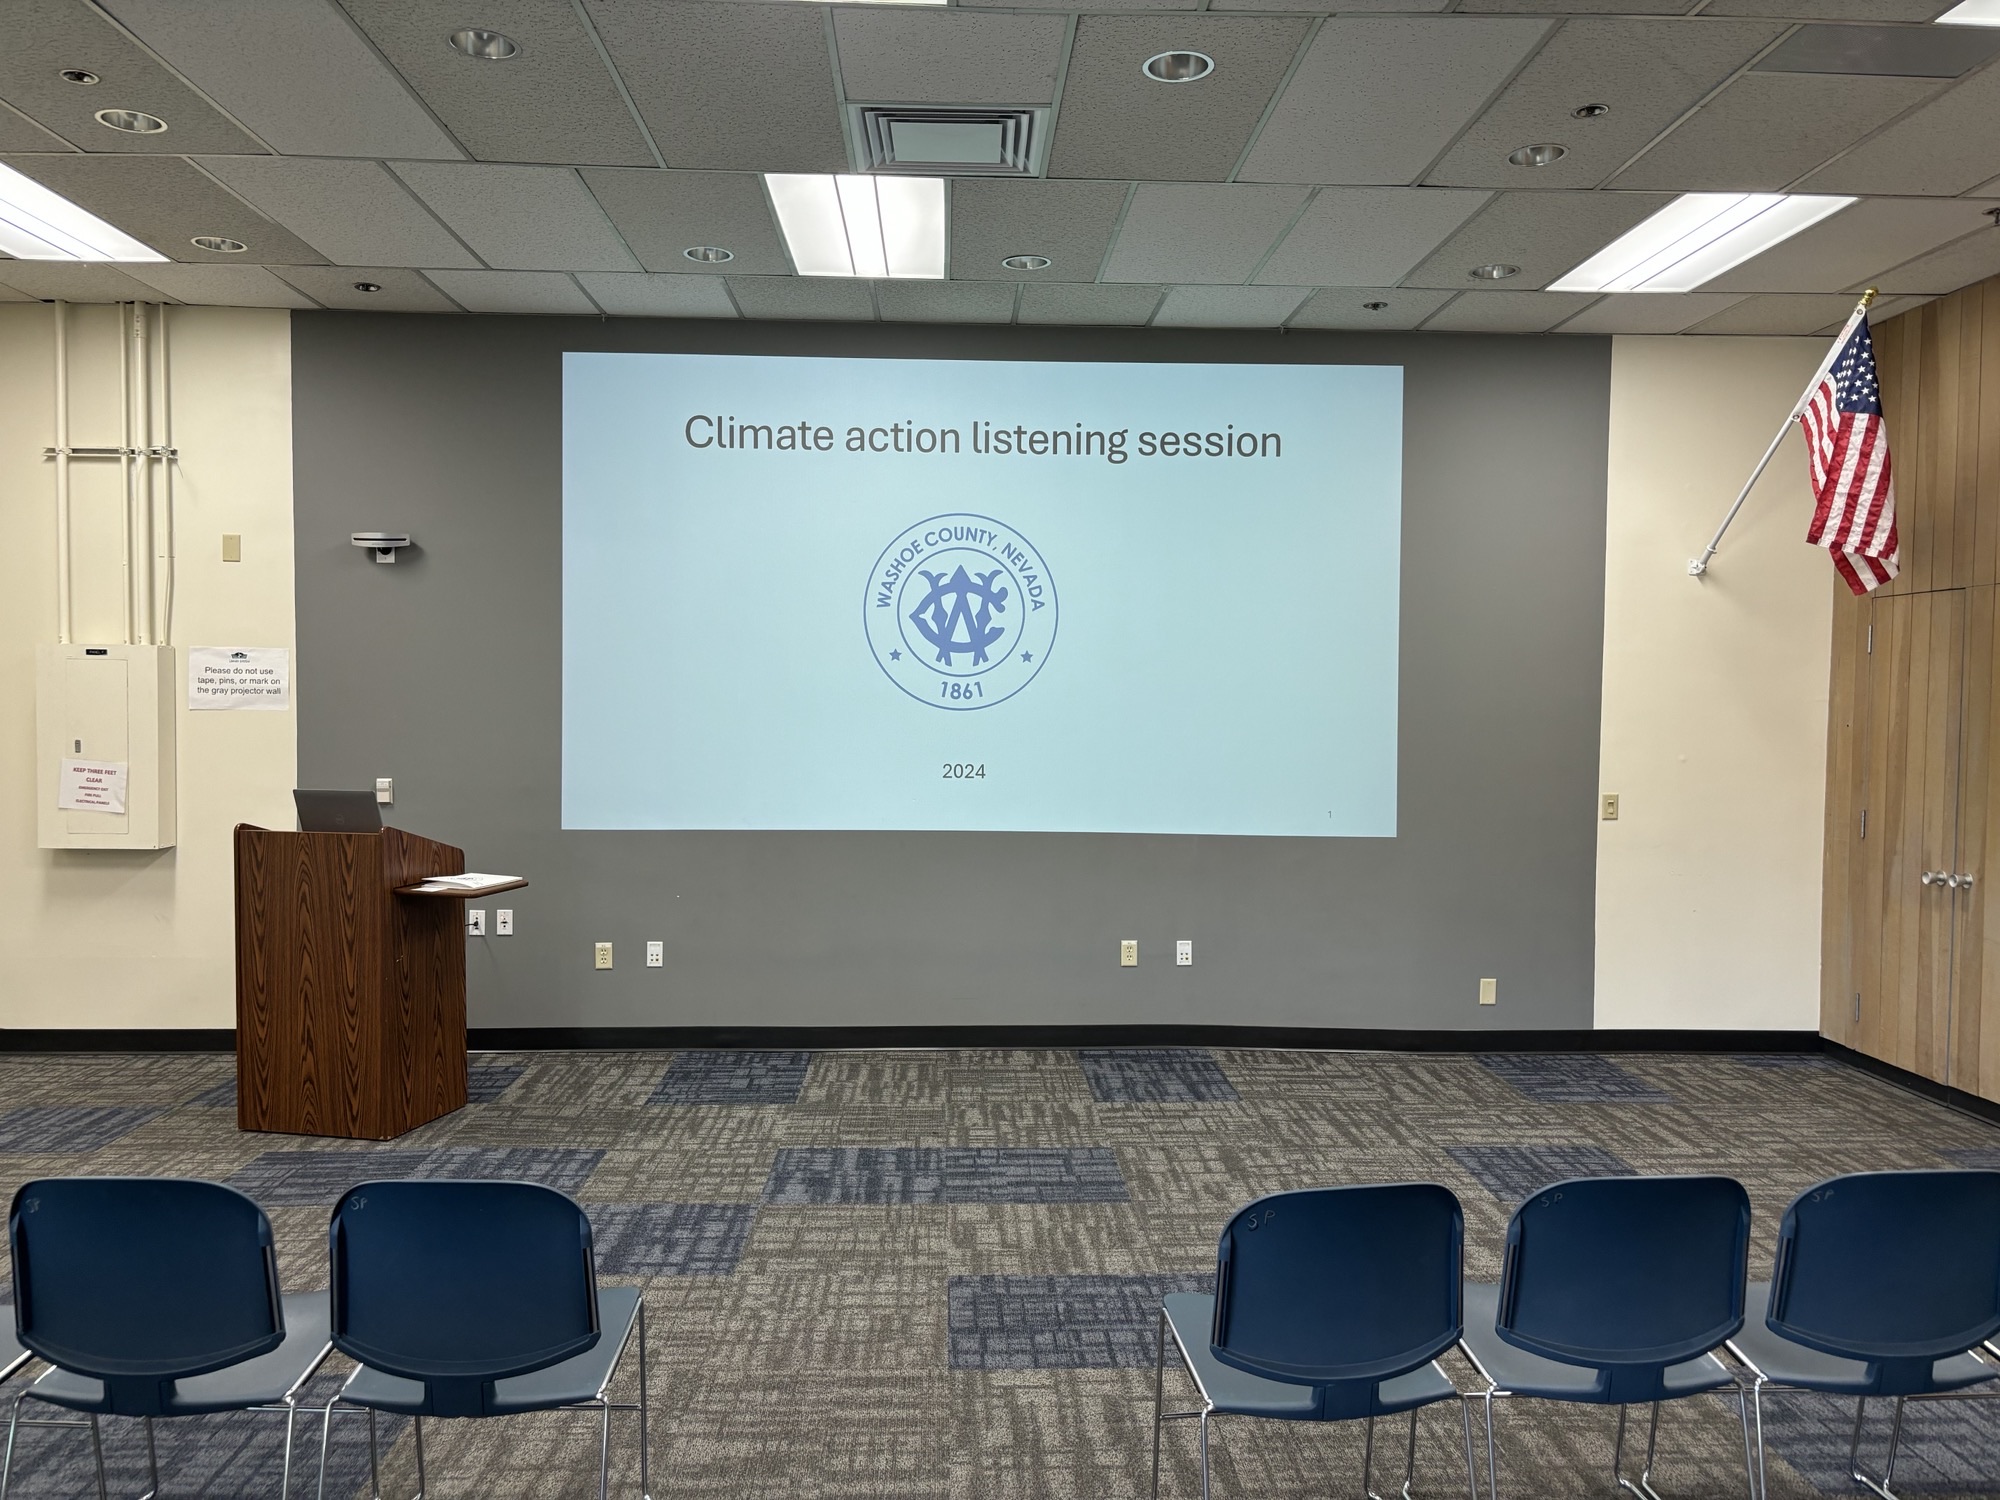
(960, 611)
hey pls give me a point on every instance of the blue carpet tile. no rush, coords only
(1155, 1076)
(485, 1082)
(1572, 1078)
(67, 1129)
(564, 1168)
(670, 1239)
(234, 1457)
(733, 1078)
(222, 1096)
(1778, 1061)
(945, 1174)
(1979, 1158)
(1949, 1447)
(1059, 1322)
(312, 1179)
(1514, 1173)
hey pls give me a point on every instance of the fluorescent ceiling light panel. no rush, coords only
(851, 225)
(1695, 239)
(37, 224)
(1972, 13)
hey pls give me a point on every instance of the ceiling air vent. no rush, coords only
(941, 141)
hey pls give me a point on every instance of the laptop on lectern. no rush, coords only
(338, 812)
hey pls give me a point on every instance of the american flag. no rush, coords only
(1855, 514)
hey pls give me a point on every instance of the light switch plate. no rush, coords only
(1489, 992)
(603, 955)
(1128, 953)
(385, 789)
(232, 546)
(1608, 809)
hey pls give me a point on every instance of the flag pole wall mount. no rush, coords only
(1698, 566)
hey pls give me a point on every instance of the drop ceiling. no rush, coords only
(1341, 168)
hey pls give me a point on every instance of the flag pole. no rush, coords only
(1697, 566)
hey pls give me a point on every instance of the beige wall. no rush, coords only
(93, 938)
(1715, 695)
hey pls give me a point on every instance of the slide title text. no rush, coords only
(729, 433)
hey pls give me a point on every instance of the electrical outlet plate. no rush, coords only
(1184, 952)
(475, 922)
(503, 921)
(603, 955)
(385, 789)
(1489, 992)
(656, 955)
(1128, 953)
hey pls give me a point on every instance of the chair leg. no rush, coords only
(604, 1456)
(1368, 1460)
(1471, 1470)
(374, 1461)
(1159, 1403)
(423, 1479)
(1860, 1475)
(152, 1461)
(325, 1437)
(1749, 1458)
(1492, 1463)
(1204, 1456)
(7, 1463)
(645, 1478)
(285, 1474)
(97, 1452)
(1644, 1487)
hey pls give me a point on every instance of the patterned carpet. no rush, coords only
(936, 1273)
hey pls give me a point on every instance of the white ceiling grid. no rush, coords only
(1337, 170)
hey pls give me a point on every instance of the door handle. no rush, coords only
(1965, 882)
(1951, 881)
(1931, 876)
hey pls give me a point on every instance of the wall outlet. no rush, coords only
(475, 922)
(1184, 952)
(385, 789)
(1608, 807)
(656, 955)
(1489, 992)
(603, 955)
(503, 921)
(1128, 953)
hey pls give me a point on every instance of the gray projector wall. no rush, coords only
(444, 671)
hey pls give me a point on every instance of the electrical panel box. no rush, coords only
(104, 738)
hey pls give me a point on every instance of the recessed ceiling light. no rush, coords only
(1695, 239)
(1178, 67)
(1538, 156)
(1026, 263)
(82, 76)
(1373, 306)
(218, 242)
(367, 286)
(861, 226)
(1972, 13)
(1498, 271)
(131, 121)
(708, 255)
(487, 46)
(1590, 111)
(38, 224)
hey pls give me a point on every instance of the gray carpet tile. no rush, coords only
(1572, 1078)
(945, 1174)
(1947, 1447)
(857, 1174)
(68, 1129)
(670, 1239)
(733, 1078)
(315, 1178)
(564, 1168)
(1513, 1174)
(1155, 1076)
(1060, 1322)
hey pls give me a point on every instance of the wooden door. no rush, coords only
(1975, 1045)
(1908, 728)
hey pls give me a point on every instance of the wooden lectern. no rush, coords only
(350, 997)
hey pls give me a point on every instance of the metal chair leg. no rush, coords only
(1492, 1463)
(423, 1480)
(1204, 1456)
(97, 1452)
(1644, 1487)
(645, 1479)
(7, 1463)
(1159, 1403)
(374, 1461)
(1410, 1458)
(604, 1456)
(1860, 1475)
(1749, 1461)
(152, 1461)
(1471, 1470)
(325, 1437)
(1368, 1460)
(285, 1474)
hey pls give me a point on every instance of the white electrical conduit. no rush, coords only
(64, 610)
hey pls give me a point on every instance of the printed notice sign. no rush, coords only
(239, 677)
(91, 786)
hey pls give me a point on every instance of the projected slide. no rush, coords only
(945, 594)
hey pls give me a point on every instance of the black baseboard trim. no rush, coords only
(863, 1038)
(1916, 1083)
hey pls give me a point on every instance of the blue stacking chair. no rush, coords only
(1330, 1305)
(155, 1297)
(475, 1299)
(1884, 1284)
(1615, 1290)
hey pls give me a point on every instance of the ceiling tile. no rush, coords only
(9, 294)
(1507, 312)
(402, 290)
(1100, 5)
(661, 214)
(1765, 129)
(1650, 71)
(352, 212)
(545, 292)
(1793, 315)
(48, 280)
(1367, 236)
(1831, 10)
(1854, 245)
(1958, 264)
(221, 286)
(1947, 146)
(1068, 302)
(1545, 234)
(165, 202)
(1228, 306)
(1116, 122)
(1377, 97)
(521, 218)
(1648, 312)
(1069, 222)
(45, 36)
(638, 296)
(1899, 51)
(809, 298)
(554, 102)
(1348, 307)
(1320, 7)
(19, 133)
(945, 301)
(748, 87)
(302, 77)
(935, 55)
(1208, 232)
